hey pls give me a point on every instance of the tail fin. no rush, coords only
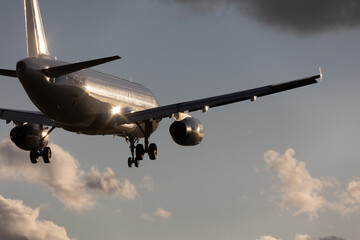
(35, 34)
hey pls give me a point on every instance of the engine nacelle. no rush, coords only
(187, 132)
(28, 136)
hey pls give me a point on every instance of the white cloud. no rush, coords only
(148, 183)
(159, 213)
(302, 237)
(354, 189)
(302, 193)
(162, 213)
(108, 183)
(18, 221)
(63, 176)
(267, 238)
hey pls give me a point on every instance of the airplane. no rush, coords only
(75, 98)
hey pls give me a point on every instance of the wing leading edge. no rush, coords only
(206, 103)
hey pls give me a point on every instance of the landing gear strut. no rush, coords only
(133, 160)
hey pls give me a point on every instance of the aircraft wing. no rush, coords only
(19, 116)
(206, 103)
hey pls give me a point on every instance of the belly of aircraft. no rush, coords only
(79, 112)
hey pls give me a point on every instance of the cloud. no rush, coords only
(354, 189)
(267, 238)
(299, 190)
(300, 16)
(63, 175)
(147, 183)
(162, 213)
(109, 184)
(331, 238)
(159, 213)
(68, 183)
(302, 237)
(302, 193)
(19, 222)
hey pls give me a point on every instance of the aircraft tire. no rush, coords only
(130, 162)
(47, 155)
(140, 151)
(34, 155)
(153, 151)
(137, 162)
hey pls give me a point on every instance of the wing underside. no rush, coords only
(19, 116)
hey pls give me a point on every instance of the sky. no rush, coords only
(284, 167)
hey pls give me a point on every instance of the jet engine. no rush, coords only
(28, 136)
(187, 132)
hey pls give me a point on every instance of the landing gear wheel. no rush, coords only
(137, 162)
(130, 162)
(34, 155)
(46, 154)
(140, 152)
(152, 151)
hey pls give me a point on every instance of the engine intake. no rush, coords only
(187, 132)
(27, 136)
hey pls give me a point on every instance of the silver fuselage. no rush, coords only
(86, 101)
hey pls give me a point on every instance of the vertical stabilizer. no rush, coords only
(35, 34)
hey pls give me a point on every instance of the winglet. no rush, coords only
(320, 74)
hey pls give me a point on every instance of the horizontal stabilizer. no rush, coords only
(8, 73)
(74, 67)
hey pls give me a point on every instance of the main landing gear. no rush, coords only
(138, 151)
(44, 152)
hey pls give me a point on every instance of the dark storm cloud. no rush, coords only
(332, 238)
(300, 16)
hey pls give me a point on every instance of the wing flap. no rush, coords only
(19, 116)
